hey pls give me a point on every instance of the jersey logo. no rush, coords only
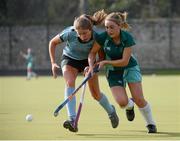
(108, 48)
(120, 82)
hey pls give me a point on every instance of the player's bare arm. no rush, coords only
(120, 62)
(52, 46)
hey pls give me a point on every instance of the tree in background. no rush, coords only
(63, 12)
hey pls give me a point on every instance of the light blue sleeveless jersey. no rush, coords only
(74, 48)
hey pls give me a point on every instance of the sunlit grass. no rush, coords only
(19, 97)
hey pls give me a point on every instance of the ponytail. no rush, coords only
(87, 21)
(124, 23)
(99, 17)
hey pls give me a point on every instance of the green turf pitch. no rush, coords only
(39, 97)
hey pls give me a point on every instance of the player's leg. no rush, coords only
(29, 70)
(103, 101)
(33, 73)
(119, 94)
(117, 85)
(144, 107)
(130, 114)
(134, 82)
(70, 74)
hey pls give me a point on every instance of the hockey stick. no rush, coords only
(80, 106)
(56, 112)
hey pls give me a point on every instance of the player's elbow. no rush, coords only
(125, 62)
(52, 44)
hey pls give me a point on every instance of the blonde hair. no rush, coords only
(87, 21)
(119, 18)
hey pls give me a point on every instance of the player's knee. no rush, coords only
(122, 102)
(70, 83)
(140, 102)
(122, 105)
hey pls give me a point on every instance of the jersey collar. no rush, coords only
(121, 34)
